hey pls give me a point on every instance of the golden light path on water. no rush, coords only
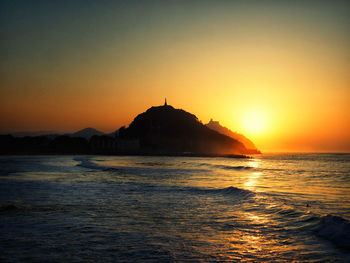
(259, 238)
(253, 177)
(254, 241)
(247, 231)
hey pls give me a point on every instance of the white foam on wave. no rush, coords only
(86, 163)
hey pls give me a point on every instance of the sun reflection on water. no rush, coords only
(252, 180)
(255, 219)
(255, 163)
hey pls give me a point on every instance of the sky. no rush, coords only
(275, 71)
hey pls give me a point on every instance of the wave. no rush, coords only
(153, 164)
(234, 190)
(221, 166)
(230, 191)
(238, 168)
(86, 163)
(335, 229)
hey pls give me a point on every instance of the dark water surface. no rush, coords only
(281, 208)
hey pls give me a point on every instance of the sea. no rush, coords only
(266, 208)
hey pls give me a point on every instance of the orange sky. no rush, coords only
(277, 72)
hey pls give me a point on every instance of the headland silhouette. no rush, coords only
(161, 130)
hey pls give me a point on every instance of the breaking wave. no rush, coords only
(238, 168)
(235, 192)
(86, 163)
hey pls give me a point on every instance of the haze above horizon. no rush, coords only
(275, 71)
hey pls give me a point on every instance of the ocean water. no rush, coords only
(277, 207)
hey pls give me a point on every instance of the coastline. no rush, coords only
(238, 156)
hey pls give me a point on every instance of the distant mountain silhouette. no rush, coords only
(215, 125)
(86, 133)
(166, 130)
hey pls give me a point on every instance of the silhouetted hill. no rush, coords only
(166, 130)
(161, 130)
(86, 133)
(215, 125)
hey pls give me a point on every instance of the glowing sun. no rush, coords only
(254, 122)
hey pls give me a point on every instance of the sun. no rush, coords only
(254, 122)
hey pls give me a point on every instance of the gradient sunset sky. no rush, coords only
(276, 71)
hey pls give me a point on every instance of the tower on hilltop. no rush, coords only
(165, 104)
